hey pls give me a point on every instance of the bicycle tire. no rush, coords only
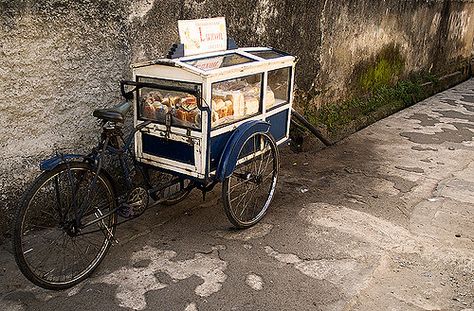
(49, 209)
(251, 176)
(174, 193)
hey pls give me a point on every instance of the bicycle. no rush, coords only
(68, 217)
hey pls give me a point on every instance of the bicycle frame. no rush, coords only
(97, 156)
(110, 131)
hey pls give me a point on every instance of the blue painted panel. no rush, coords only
(217, 147)
(168, 149)
(279, 122)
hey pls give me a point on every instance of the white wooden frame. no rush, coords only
(179, 70)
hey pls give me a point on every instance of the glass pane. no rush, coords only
(235, 99)
(156, 104)
(267, 54)
(216, 62)
(277, 87)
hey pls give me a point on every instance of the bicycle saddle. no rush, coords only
(114, 114)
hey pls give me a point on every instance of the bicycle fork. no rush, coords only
(100, 216)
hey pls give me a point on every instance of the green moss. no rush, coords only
(383, 69)
(358, 112)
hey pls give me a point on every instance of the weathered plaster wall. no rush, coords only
(428, 36)
(60, 59)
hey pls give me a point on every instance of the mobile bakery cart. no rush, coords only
(217, 117)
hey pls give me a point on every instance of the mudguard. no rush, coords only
(50, 164)
(230, 155)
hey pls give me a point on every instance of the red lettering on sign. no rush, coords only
(213, 36)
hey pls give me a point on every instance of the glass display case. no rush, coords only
(235, 99)
(157, 104)
(196, 103)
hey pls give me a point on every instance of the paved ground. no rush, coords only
(386, 223)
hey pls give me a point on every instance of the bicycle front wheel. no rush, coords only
(248, 192)
(64, 226)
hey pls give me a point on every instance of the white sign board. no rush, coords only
(203, 35)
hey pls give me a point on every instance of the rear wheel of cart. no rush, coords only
(248, 192)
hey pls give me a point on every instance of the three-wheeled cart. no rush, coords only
(217, 117)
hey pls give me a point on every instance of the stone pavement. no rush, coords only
(384, 220)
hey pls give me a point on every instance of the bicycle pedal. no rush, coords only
(108, 234)
(112, 237)
(126, 211)
(114, 241)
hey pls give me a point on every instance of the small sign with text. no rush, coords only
(203, 35)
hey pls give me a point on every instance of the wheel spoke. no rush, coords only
(244, 208)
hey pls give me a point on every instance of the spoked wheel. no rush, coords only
(247, 193)
(54, 247)
(177, 190)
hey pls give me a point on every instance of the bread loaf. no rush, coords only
(269, 98)
(238, 103)
(251, 105)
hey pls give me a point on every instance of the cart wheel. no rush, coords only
(174, 193)
(247, 193)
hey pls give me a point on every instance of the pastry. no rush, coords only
(214, 117)
(191, 116)
(166, 102)
(176, 99)
(187, 115)
(218, 94)
(148, 111)
(188, 100)
(152, 97)
(221, 113)
(181, 114)
(186, 109)
(229, 107)
(219, 104)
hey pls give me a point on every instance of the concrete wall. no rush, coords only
(61, 59)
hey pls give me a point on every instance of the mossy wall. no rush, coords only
(382, 69)
(59, 59)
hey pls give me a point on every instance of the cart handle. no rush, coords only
(127, 95)
(138, 85)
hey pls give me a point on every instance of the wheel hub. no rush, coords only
(71, 229)
(257, 179)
